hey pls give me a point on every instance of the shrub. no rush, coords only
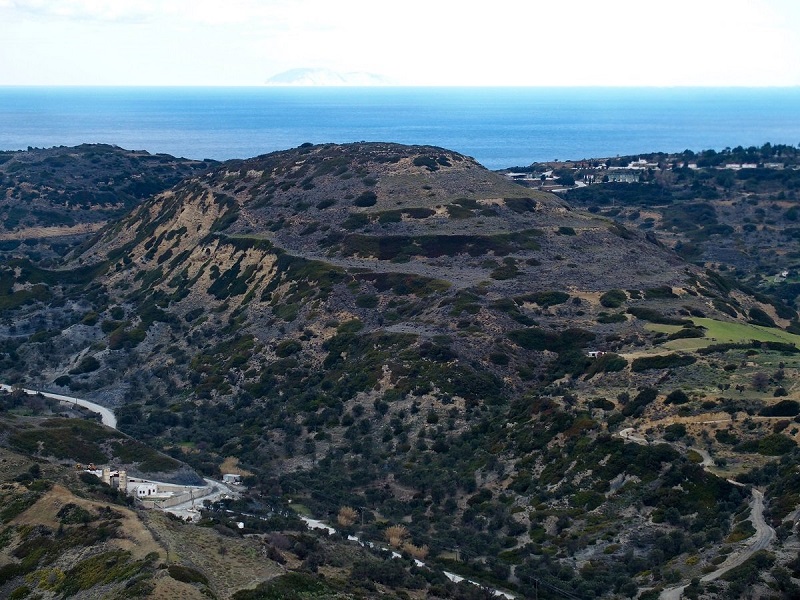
(186, 574)
(366, 199)
(291, 586)
(508, 270)
(418, 212)
(606, 318)
(367, 301)
(750, 571)
(20, 593)
(607, 363)
(287, 348)
(648, 314)
(661, 361)
(499, 358)
(784, 408)
(663, 291)
(676, 397)
(347, 516)
(125, 338)
(723, 306)
(776, 444)
(687, 332)
(396, 535)
(355, 221)
(613, 298)
(642, 399)
(426, 161)
(520, 205)
(71, 514)
(456, 211)
(724, 436)
(545, 299)
(87, 365)
(674, 432)
(759, 317)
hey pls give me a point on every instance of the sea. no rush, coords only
(499, 127)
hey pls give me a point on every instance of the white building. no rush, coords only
(145, 490)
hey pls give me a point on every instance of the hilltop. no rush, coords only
(52, 197)
(397, 329)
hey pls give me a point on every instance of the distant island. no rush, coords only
(325, 77)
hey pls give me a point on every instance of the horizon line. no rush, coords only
(399, 86)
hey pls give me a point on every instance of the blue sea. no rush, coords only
(499, 127)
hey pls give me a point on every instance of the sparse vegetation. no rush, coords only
(387, 345)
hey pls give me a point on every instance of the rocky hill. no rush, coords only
(397, 329)
(51, 198)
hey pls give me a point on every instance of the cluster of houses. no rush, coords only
(601, 172)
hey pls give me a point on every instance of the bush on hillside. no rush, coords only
(613, 298)
(661, 361)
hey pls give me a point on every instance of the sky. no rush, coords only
(412, 42)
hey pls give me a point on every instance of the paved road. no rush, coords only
(317, 524)
(191, 507)
(106, 414)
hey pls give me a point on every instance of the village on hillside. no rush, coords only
(558, 175)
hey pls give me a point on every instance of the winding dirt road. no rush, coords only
(760, 540)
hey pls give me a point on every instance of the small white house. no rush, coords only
(595, 353)
(145, 490)
(232, 478)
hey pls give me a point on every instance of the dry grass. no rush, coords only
(229, 563)
(49, 232)
(137, 539)
(231, 465)
(347, 516)
(167, 588)
(418, 552)
(396, 535)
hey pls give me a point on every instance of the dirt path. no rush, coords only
(760, 540)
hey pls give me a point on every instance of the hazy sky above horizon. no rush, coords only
(414, 42)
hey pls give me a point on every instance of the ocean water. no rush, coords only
(499, 127)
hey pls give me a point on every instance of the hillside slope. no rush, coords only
(398, 329)
(51, 198)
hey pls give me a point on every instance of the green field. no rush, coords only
(721, 332)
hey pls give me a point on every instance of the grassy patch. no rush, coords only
(722, 332)
(108, 567)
